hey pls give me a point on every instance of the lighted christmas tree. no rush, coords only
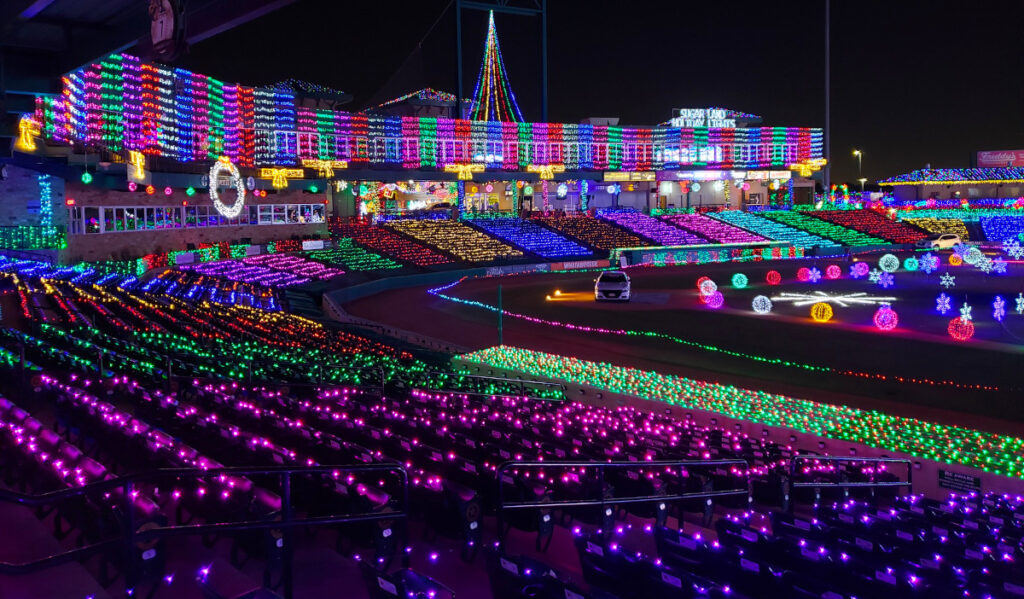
(493, 99)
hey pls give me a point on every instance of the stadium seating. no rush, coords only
(711, 229)
(651, 228)
(134, 380)
(294, 265)
(940, 225)
(871, 223)
(386, 242)
(772, 229)
(531, 237)
(457, 239)
(350, 256)
(1003, 228)
(837, 233)
(592, 231)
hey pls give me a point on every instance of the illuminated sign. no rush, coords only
(702, 117)
(629, 176)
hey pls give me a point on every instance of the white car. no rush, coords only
(612, 285)
(940, 241)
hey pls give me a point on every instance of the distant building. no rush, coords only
(954, 183)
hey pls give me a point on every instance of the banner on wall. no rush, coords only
(1000, 158)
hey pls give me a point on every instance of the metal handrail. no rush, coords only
(130, 536)
(602, 501)
(845, 484)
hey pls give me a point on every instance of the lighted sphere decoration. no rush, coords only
(955, 260)
(168, 191)
(859, 269)
(528, 190)
(132, 186)
(773, 277)
(960, 328)
(562, 190)
(911, 264)
(761, 304)
(695, 186)
(889, 263)
(973, 256)
(488, 188)
(708, 287)
(224, 164)
(87, 177)
(701, 280)
(803, 274)
(715, 300)
(150, 190)
(886, 318)
(739, 280)
(821, 312)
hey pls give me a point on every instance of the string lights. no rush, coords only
(999, 454)
(493, 99)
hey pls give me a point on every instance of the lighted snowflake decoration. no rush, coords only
(965, 312)
(886, 280)
(999, 266)
(943, 303)
(844, 300)
(947, 280)
(1017, 252)
(858, 270)
(814, 275)
(999, 308)
(1020, 303)
(961, 250)
(1010, 246)
(929, 262)
(874, 275)
(985, 264)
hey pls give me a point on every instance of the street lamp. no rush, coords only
(859, 156)
(862, 180)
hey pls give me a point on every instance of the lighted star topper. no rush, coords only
(843, 300)
(464, 172)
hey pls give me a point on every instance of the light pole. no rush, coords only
(862, 180)
(859, 156)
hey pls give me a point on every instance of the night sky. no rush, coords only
(913, 81)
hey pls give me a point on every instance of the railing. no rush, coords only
(603, 502)
(286, 521)
(843, 483)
